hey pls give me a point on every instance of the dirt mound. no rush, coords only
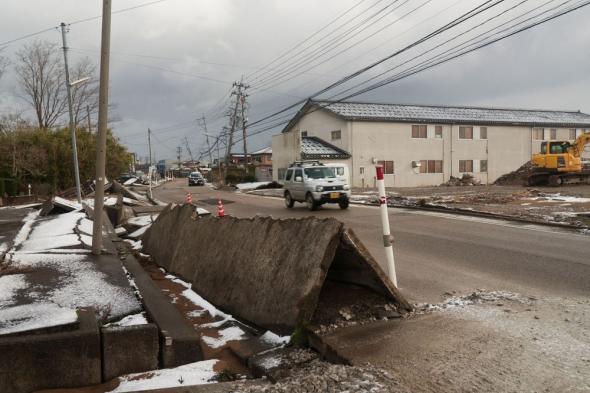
(466, 180)
(268, 186)
(518, 177)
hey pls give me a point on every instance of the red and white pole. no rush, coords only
(387, 238)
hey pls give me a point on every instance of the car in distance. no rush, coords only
(196, 179)
(314, 184)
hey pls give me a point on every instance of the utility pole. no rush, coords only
(178, 155)
(207, 136)
(101, 137)
(88, 118)
(243, 101)
(72, 124)
(150, 164)
(188, 149)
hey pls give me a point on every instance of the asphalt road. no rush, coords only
(437, 253)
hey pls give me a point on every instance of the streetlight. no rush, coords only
(69, 85)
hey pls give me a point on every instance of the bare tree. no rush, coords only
(41, 76)
(84, 94)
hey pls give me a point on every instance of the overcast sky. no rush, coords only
(175, 60)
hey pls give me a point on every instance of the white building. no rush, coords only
(420, 145)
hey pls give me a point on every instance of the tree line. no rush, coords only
(35, 145)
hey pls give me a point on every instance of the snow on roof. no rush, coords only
(266, 150)
(316, 148)
(452, 114)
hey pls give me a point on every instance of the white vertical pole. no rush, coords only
(387, 238)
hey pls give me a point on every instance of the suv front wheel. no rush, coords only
(311, 203)
(343, 203)
(289, 202)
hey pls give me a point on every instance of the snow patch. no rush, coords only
(131, 320)
(198, 373)
(251, 186)
(34, 316)
(9, 286)
(232, 333)
(25, 230)
(141, 221)
(66, 202)
(275, 339)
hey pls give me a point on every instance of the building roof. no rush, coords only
(314, 148)
(266, 150)
(362, 111)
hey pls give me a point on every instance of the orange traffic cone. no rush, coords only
(189, 198)
(220, 211)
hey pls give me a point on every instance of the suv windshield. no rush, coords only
(319, 173)
(195, 174)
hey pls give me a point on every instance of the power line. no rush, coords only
(461, 19)
(78, 21)
(290, 50)
(390, 80)
(381, 13)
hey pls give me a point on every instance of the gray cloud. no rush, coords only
(545, 67)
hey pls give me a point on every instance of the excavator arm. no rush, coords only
(580, 143)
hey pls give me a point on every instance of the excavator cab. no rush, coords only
(560, 162)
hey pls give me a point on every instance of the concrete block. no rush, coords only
(179, 342)
(129, 349)
(55, 360)
(266, 271)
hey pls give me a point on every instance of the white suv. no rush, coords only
(313, 183)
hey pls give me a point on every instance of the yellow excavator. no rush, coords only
(560, 162)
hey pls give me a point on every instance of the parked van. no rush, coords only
(340, 171)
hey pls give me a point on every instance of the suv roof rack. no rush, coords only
(307, 163)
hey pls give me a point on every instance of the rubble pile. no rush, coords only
(466, 180)
(518, 177)
(318, 376)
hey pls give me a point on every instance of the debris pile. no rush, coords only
(466, 180)
(518, 177)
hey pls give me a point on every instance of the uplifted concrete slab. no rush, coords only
(266, 271)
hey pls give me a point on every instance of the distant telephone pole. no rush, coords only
(70, 110)
(101, 137)
(238, 92)
(150, 163)
(179, 155)
(207, 136)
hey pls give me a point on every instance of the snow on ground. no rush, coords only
(67, 202)
(198, 373)
(131, 320)
(34, 316)
(198, 300)
(275, 339)
(130, 181)
(9, 285)
(226, 335)
(560, 198)
(30, 205)
(251, 186)
(82, 285)
(25, 230)
(142, 220)
(46, 234)
(135, 244)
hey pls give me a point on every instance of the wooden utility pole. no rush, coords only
(243, 100)
(150, 165)
(101, 137)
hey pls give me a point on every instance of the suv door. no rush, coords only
(298, 187)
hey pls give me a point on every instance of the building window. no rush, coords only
(572, 133)
(303, 133)
(362, 170)
(388, 168)
(553, 134)
(438, 131)
(419, 131)
(336, 135)
(483, 166)
(465, 166)
(465, 132)
(431, 166)
(483, 133)
(538, 134)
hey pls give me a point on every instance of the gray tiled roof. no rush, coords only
(447, 114)
(316, 148)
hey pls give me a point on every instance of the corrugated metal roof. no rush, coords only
(448, 114)
(316, 148)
